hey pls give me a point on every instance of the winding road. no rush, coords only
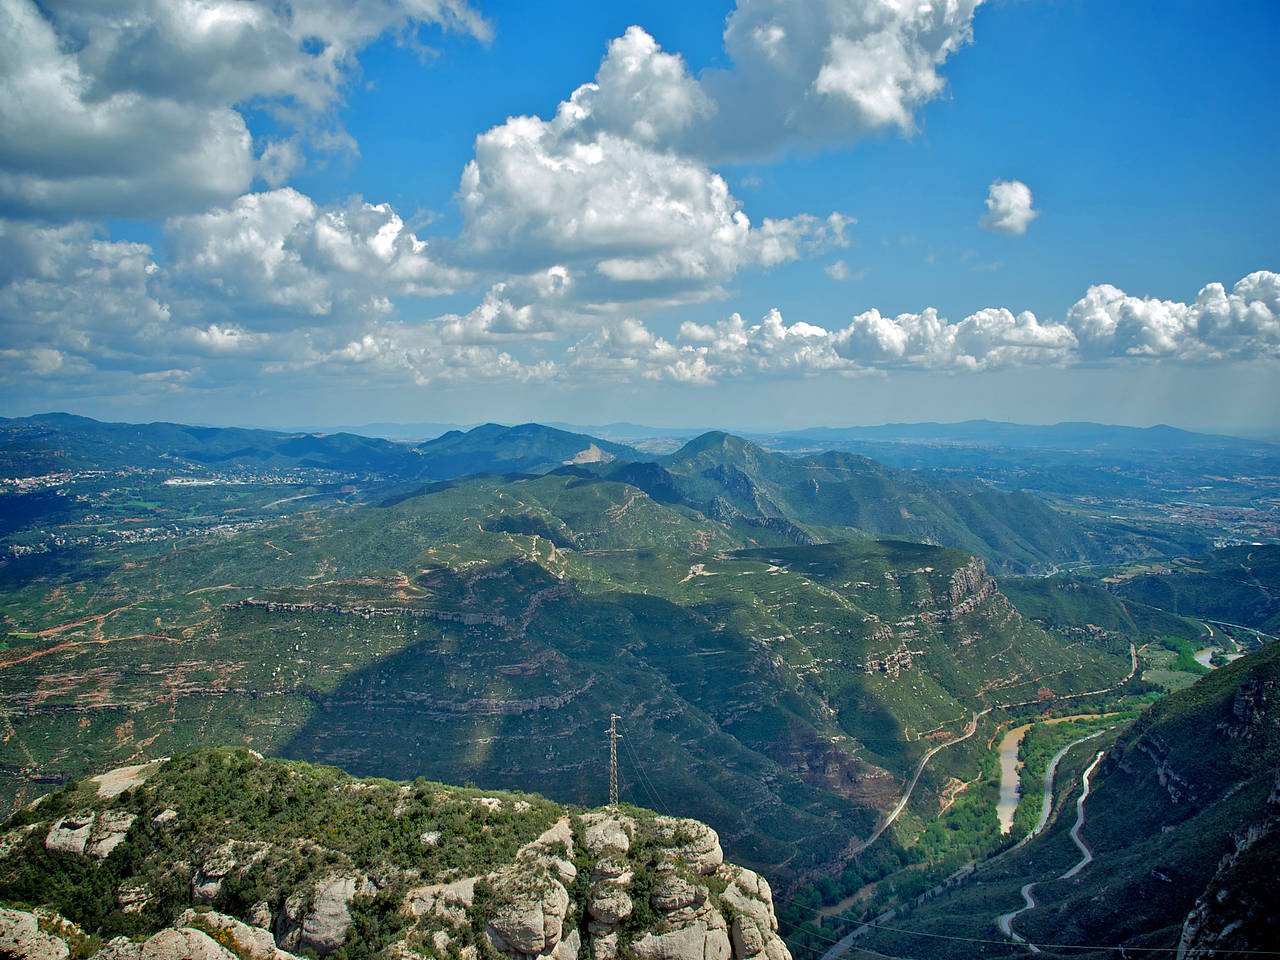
(906, 794)
(1005, 920)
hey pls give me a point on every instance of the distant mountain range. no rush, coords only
(732, 480)
(56, 441)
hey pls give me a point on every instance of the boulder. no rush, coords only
(606, 830)
(322, 928)
(133, 895)
(697, 941)
(609, 904)
(21, 936)
(445, 901)
(750, 894)
(692, 843)
(184, 945)
(164, 819)
(746, 937)
(207, 883)
(257, 943)
(443, 942)
(70, 834)
(119, 948)
(604, 946)
(611, 869)
(551, 849)
(109, 832)
(567, 949)
(530, 913)
(260, 915)
(672, 892)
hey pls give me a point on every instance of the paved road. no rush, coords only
(1005, 921)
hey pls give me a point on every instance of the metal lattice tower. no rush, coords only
(614, 736)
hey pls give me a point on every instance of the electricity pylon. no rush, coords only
(614, 735)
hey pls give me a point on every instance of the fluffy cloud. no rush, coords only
(67, 293)
(1105, 325)
(405, 352)
(829, 70)
(280, 254)
(1241, 325)
(133, 109)
(1008, 207)
(602, 191)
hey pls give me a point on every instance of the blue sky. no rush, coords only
(762, 215)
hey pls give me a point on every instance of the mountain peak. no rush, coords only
(715, 442)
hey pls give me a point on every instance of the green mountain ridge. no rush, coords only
(486, 630)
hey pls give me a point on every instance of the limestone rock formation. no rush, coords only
(517, 875)
(20, 936)
(322, 927)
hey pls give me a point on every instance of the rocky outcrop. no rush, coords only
(22, 939)
(317, 918)
(466, 618)
(70, 834)
(692, 843)
(607, 831)
(95, 835)
(547, 883)
(968, 589)
(529, 914)
(257, 943)
(1237, 910)
(443, 901)
(1250, 708)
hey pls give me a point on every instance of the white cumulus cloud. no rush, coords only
(829, 71)
(602, 190)
(1009, 207)
(279, 253)
(134, 108)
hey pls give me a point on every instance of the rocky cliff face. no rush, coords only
(223, 854)
(1237, 910)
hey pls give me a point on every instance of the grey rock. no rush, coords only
(611, 868)
(133, 895)
(746, 937)
(184, 945)
(70, 834)
(119, 948)
(445, 901)
(109, 832)
(258, 943)
(672, 892)
(21, 936)
(530, 918)
(567, 949)
(323, 928)
(697, 941)
(207, 882)
(692, 843)
(260, 915)
(604, 946)
(609, 904)
(606, 830)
